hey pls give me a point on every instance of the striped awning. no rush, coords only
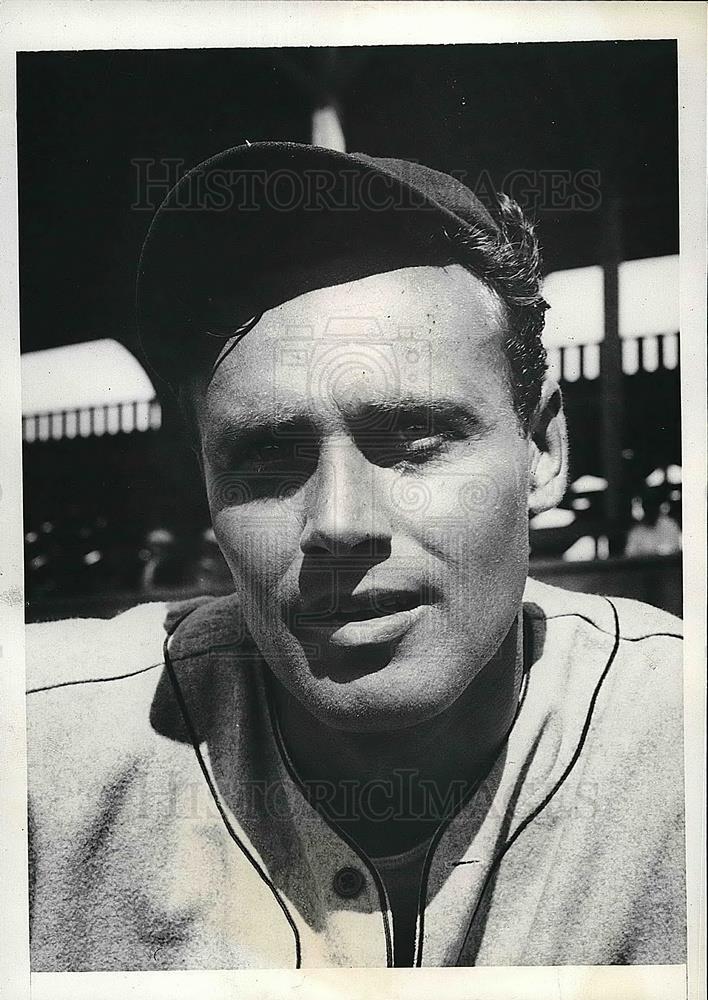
(572, 362)
(92, 421)
(85, 390)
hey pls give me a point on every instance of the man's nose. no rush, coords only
(345, 513)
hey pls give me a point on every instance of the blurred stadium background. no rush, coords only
(113, 506)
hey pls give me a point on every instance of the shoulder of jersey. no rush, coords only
(635, 621)
(79, 651)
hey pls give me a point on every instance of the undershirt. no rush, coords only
(401, 875)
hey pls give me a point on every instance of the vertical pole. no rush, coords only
(611, 388)
(326, 129)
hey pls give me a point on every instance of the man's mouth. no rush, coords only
(363, 619)
(357, 608)
(363, 608)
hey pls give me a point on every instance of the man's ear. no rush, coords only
(548, 451)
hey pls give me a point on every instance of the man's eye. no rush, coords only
(413, 432)
(418, 447)
(263, 457)
(413, 445)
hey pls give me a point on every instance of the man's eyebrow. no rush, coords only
(243, 430)
(452, 410)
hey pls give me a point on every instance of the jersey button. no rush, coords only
(348, 882)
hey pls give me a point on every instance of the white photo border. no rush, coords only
(137, 24)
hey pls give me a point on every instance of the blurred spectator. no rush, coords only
(40, 580)
(123, 541)
(164, 562)
(70, 541)
(656, 533)
(675, 506)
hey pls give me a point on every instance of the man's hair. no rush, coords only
(510, 264)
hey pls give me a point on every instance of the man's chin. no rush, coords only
(346, 666)
(378, 688)
(355, 715)
(372, 697)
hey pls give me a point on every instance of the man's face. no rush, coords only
(367, 480)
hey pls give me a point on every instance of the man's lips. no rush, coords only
(366, 617)
(373, 631)
(337, 610)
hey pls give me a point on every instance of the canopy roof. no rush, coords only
(538, 118)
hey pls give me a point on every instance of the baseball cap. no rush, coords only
(261, 223)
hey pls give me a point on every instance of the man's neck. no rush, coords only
(365, 782)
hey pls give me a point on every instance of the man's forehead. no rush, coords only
(438, 310)
(414, 337)
(423, 300)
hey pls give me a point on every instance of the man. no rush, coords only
(388, 747)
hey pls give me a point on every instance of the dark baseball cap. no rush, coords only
(259, 224)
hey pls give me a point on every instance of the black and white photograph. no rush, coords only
(354, 520)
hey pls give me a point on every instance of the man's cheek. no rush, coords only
(258, 552)
(471, 513)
